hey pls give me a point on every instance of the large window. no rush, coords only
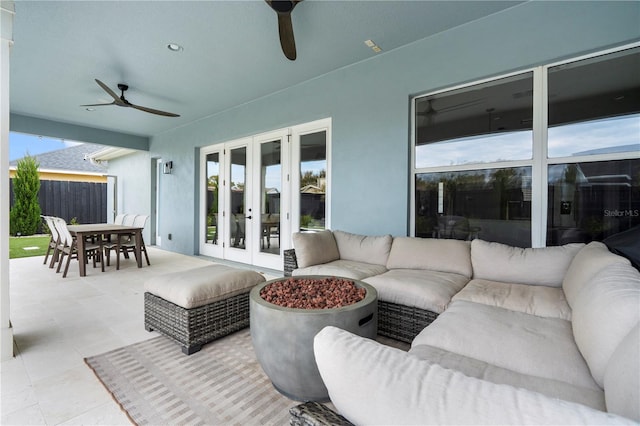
(486, 165)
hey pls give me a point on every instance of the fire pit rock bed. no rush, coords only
(283, 337)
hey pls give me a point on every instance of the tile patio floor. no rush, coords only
(57, 322)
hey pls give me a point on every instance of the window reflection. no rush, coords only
(271, 187)
(594, 105)
(591, 201)
(487, 122)
(609, 135)
(213, 173)
(313, 180)
(237, 221)
(491, 204)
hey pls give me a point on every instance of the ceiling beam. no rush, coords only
(72, 132)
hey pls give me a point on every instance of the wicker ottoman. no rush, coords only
(199, 305)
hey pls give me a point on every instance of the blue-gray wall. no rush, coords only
(369, 105)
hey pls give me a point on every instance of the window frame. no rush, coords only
(539, 163)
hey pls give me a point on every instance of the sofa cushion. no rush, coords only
(591, 259)
(433, 254)
(202, 286)
(471, 367)
(342, 268)
(537, 300)
(604, 312)
(622, 378)
(429, 290)
(534, 266)
(370, 383)
(314, 248)
(361, 248)
(527, 344)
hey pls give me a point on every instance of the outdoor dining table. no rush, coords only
(100, 230)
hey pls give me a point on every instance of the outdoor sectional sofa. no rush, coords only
(536, 335)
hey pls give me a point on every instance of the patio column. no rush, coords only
(7, 11)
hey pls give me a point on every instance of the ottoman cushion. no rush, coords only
(202, 286)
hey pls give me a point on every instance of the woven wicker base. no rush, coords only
(398, 322)
(315, 414)
(401, 322)
(290, 262)
(192, 328)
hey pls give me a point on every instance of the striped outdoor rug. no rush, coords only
(223, 384)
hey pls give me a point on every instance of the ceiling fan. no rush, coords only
(123, 102)
(430, 111)
(285, 27)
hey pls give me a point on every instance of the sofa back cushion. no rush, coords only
(433, 254)
(591, 259)
(533, 266)
(604, 312)
(362, 248)
(622, 377)
(314, 248)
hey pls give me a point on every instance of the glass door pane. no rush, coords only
(212, 176)
(313, 179)
(236, 218)
(270, 190)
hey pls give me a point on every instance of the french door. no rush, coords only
(243, 194)
(248, 196)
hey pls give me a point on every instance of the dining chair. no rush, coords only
(238, 235)
(127, 243)
(53, 242)
(128, 219)
(124, 219)
(130, 245)
(118, 219)
(68, 246)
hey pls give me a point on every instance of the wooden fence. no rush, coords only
(84, 201)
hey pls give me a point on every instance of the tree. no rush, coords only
(311, 178)
(24, 217)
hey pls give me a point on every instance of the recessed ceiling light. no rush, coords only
(175, 47)
(90, 109)
(370, 43)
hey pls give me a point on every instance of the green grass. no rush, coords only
(17, 246)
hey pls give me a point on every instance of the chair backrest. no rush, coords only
(52, 227)
(140, 220)
(65, 235)
(129, 219)
(118, 219)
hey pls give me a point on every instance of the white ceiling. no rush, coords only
(231, 52)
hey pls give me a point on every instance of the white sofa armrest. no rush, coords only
(370, 383)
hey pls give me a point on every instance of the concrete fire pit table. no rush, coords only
(283, 338)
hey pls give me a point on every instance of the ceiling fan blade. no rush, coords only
(153, 111)
(283, 9)
(88, 105)
(109, 91)
(287, 41)
(431, 111)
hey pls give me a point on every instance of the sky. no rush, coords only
(21, 144)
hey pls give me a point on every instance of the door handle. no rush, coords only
(247, 217)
